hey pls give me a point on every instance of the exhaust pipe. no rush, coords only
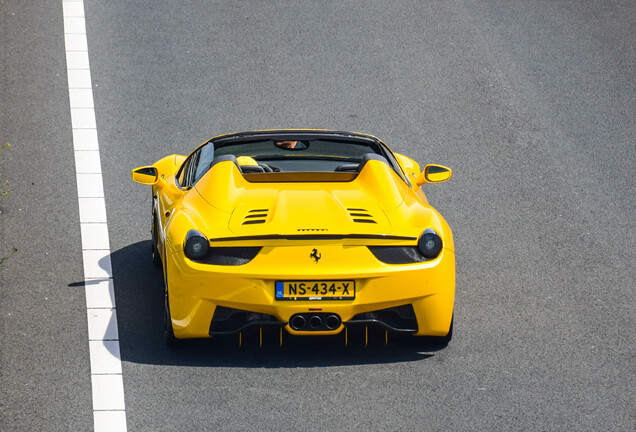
(320, 321)
(297, 322)
(332, 322)
(315, 322)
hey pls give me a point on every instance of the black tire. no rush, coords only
(168, 331)
(156, 258)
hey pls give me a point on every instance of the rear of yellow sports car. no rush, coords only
(309, 257)
(284, 286)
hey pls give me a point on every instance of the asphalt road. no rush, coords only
(531, 103)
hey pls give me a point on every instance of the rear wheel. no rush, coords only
(156, 259)
(168, 331)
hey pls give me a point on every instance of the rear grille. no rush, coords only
(228, 320)
(400, 319)
(360, 215)
(256, 216)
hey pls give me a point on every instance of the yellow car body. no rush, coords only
(309, 241)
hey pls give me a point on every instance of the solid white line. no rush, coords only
(73, 8)
(80, 78)
(77, 60)
(107, 383)
(100, 294)
(108, 392)
(87, 162)
(90, 186)
(76, 42)
(81, 98)
(101, 325)
(85, 139)
(107, 421)
(95, 236)
(83, 118)
(92, 210)
(105, 357)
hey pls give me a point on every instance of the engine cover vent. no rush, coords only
(360, 215)
(256, 216)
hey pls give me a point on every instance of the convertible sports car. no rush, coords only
(302, 232)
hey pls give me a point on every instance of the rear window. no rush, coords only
(298, 156)
(289, 157)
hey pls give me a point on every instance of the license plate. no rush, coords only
(316, 290)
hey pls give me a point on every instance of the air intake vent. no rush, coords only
(256, 216)
(360, 215)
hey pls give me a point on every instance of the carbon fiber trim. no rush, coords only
(315, 237)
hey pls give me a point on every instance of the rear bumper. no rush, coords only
(400, 319)
(196, 290)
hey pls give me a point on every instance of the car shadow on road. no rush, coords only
(139, 300)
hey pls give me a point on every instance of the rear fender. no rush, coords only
(409, 166)
(169, 165)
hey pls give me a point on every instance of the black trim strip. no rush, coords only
(253, 222)
(257, 211)
(300, 177)
(361, 214)
(256, 215)
(315, 237)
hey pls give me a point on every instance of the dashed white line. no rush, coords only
(109, 410)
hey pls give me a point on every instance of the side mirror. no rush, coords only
(433, 174)
(145, 175)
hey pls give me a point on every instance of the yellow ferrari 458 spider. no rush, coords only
(303, 232)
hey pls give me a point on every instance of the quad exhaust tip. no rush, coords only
(297, 322)
(315, 322)
(332, 322)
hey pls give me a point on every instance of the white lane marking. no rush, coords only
(108, 392)
(107, 421)
(90, 186)
(85, 139)
(92, 210)
(74, 25)
(83, 118)
(102, 325)
(76, 42)
(81, 78)
(100, 294)
(87, 162)
(109, 410)
(105, 357)
(81, 98)
(73, 8)
(77, 60)
(95, 236)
